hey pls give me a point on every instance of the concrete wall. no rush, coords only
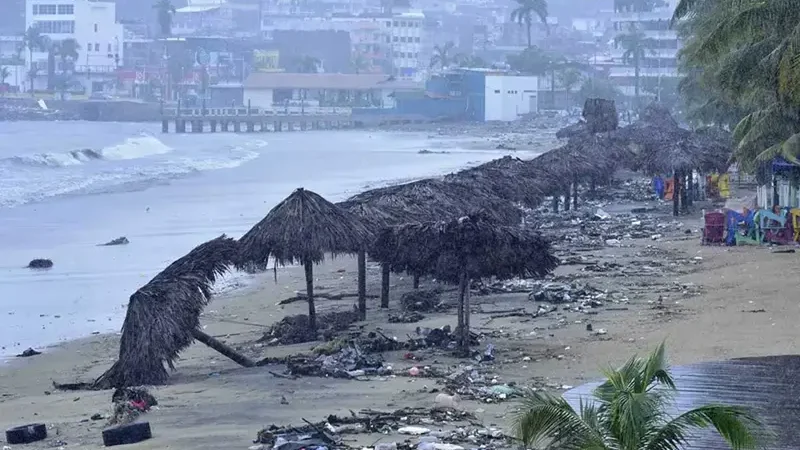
(508, 97)
(258, 98)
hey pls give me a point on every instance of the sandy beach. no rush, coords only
(708, 303)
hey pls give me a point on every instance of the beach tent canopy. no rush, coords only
(163, 315)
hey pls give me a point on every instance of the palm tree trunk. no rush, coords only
(555, 203)
(636, 81)
(362, 284)
(528, 25)
(312, 312)
(416, 281)
(575, 193)
(30, 71)
(237, 357)
(384, 285)
(465, 330)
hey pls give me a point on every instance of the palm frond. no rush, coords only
(736, 425)
(545, 418)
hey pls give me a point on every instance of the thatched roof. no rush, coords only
(661, 146)
(430, 200)
(163, 313)
(508, 178)
(302, 228)
(475, 243)
(373, 217)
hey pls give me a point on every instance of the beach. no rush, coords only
(707, 303)
(65, 191)
(637, 278)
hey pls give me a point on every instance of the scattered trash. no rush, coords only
(405, 317)
(421, 300)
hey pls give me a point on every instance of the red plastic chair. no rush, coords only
(714, 228)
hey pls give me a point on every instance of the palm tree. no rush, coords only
(165, 11)
(524, 13)
(67, 51)
(570, 78)
(442, 55)
(33, 40)
(359, 63)
(470, 61)
(635, 46)
(533, 60)
(4, 74)
(628, 412)
(744, 55)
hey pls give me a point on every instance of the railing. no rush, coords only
(258, 112)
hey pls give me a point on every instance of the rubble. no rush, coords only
(129, 403)
(295, 330)
(421, 300)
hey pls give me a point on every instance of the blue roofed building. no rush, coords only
(479, 95)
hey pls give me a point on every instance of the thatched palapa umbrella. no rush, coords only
(467, 248)
(508, 178)
(163, 317)
(303, 228)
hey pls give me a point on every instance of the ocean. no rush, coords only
(66, 187)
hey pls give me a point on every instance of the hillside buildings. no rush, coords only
(93, 26)
(660, 63)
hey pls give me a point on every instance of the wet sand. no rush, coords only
(743, 304)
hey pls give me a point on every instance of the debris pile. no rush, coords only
(421, 300)
(129, 403)
(405, 317)
(562, 293)
(468, 382)
(295, 330)
(427, 428)
(350, 362)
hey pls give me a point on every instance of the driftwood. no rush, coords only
(237, 357)
(304, 297)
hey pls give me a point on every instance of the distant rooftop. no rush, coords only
(263, 80)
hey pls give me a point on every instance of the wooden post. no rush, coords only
(575, 193)
(676, 186)
(384, 285)
(462, 287)
(690, 188)
(684, 197)
(237, 357)
(312, 313)
(416, 281)
(566, 198)
(555, 203)
(362, 284)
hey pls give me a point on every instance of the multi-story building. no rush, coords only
(404, 31)
(93, 26)
(660, 62)
(390, 41)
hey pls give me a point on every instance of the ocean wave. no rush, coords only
(18, 187)
(132, 148)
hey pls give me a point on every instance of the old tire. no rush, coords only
(127, 434)
(26, 434)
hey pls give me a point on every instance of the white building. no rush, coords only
(507, 97)
(659, 63)
(13, 61)
(405, 31)
(93, 25)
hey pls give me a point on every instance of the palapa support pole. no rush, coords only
(567, 194)
(462, 287)
(555, 203)
(384, 285)
(684, 198)
(312, 312)
(690, 188)
(235, 356)
(465, 329)
(676, 185)
(362, 284)
(575, 193)
(416, 281)
(592, 187)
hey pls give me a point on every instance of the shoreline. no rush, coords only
(711, 299)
